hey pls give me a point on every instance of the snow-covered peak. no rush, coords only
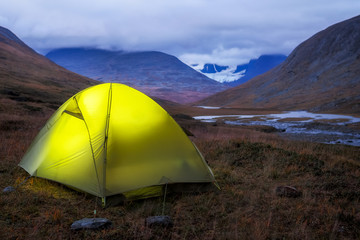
(219, 73)
(240, 73)
(227, 75)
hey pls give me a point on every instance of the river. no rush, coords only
(301, 125)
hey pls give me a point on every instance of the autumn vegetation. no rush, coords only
(248, 163)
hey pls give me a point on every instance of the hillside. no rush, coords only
(154, 73)
(29, 81)
(321, 74)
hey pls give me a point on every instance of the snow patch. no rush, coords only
(208, 107)
(226, 75)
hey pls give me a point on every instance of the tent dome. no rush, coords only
(111, 139)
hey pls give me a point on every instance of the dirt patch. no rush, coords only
(12, 125)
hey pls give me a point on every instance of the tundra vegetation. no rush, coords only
(249, 163)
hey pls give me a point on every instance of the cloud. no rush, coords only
(221, 56)
(227, 31)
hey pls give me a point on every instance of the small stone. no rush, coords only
(159, 221)
(287, 191)
(90, 223)
(9, 189)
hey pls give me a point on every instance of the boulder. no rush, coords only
(8, 189)
(90, 223)
(159, 221)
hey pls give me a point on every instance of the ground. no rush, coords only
(248, 164)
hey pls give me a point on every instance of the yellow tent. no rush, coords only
(111, 139)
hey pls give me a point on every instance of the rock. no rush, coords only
(182, 116)
(159, 221)
(287, 191)
(90, 223)
(9, 189)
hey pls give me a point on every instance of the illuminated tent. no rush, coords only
(111, 139)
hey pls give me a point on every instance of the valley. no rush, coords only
(270, 133)
(322, 74)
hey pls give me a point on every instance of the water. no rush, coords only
(208, 107)
(326, 128)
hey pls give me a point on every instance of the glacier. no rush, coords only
(221, 75)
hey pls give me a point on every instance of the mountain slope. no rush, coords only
(258, 66)
(28, 79)
(155, 73)
(321, 74)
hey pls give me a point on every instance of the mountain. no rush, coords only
(154, 73)
(29, 80)
(258, 66)
(236, 75)
(321, 74)
(32, 87)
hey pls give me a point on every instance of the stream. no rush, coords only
(300, 125)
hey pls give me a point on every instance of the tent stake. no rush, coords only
(23, 181)
(103, 199)
(163, 208)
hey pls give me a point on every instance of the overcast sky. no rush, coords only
(227, 32)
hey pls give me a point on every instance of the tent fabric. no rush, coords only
(112, 139)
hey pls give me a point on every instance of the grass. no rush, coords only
(248, 165)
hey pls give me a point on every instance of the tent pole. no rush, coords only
(106, 143)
